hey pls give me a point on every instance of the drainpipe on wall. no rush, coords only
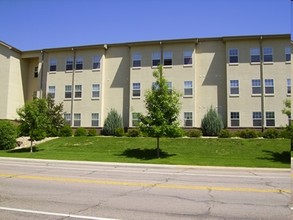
(262, 86)
(72, 87)
(42, 72)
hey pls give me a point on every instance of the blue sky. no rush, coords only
(38, 24)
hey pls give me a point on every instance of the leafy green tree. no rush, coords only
(55, 117)
(112, 123)
(287, 109)
(163, 108)
(211, 124)
(34, 117)
(8, 134)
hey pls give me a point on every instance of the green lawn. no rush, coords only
(185, 151)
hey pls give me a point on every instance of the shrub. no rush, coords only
(271, 133)
(80, 132)
(211, 123)
(194, 133)
(92, 132)
(119, 132)
(66, 131)
(134, 133)
(112, 122)
(39, 134)
(174, 132)
(224, 134)
(8, 134)
(248, 134)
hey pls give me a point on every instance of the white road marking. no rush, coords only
(54, 214)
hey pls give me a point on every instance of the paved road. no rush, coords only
(40, 189)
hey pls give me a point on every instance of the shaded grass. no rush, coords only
(182, 151)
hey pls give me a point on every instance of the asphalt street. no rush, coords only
(46, 189)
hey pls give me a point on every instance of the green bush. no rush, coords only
(174, 132)
(80, 132)
(134, 133)
(66, 131)
(271, 133)
(8, 134)
(224, 134)
(119, 132)
(92, 132)
(248, 134)
(112, 122)
(194, 133)
(211, 124)
(39, 134)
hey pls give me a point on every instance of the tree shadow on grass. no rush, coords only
(145, 154)
(24, 150)
(284, 157)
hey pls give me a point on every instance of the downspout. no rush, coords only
(42, 72)
(72, 87)
(262, 86)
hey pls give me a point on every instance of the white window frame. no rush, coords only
(68, 90)
(268, 56)
(53, 65)
(168, 58)
(95, 91)
(79, 64)
(67, 118)
(78, 91)
(77, 120)
(269, 85)
(69, 62)
(270, 119)
(187, 58)
(52, 91)
(288, 54)
(255, 55)
(188, 119)
(135, 119)
(234, 87)
(233, 53)
(235, 119)
(95, 122)
(96, 62)
(170, 87)
(188, 87)
(288, 86)
(256, 119)
(136, 90)
(256, 84)
(136, 60)
(156, 57)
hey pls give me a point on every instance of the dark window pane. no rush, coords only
(233, 59)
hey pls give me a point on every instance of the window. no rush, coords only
(268, 54)
(288, 86)
(77, 120)
(53, 65)
(288, 54)
(269, 86)
(169, 84)
(96, 62)
(136, 89)
(235, 121)
(156, 59)
(234, 87)
(36, 72)
(254, 55)
(79, 63)
(69, 64)
(68, 92)
(187, 58)
(136, 60)
(78, 91)
(187, 88)
(168, 58)
(135, 119)
(270, 119)
(95, 119)
(233, 55)
(256, 119)
(51, 92)
(187, 119)
(67, 118)
(256, 87)
(95, 90)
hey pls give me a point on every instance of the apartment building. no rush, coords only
(246, 78)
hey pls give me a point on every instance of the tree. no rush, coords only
(34, 117)
(112, 123)
(287, 109)
(55, 117)
(211, 124)
(162, 107)
(8, 135)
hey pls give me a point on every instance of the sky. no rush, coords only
(40, 24)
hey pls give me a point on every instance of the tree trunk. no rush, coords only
(31, 145)
(158, 147)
